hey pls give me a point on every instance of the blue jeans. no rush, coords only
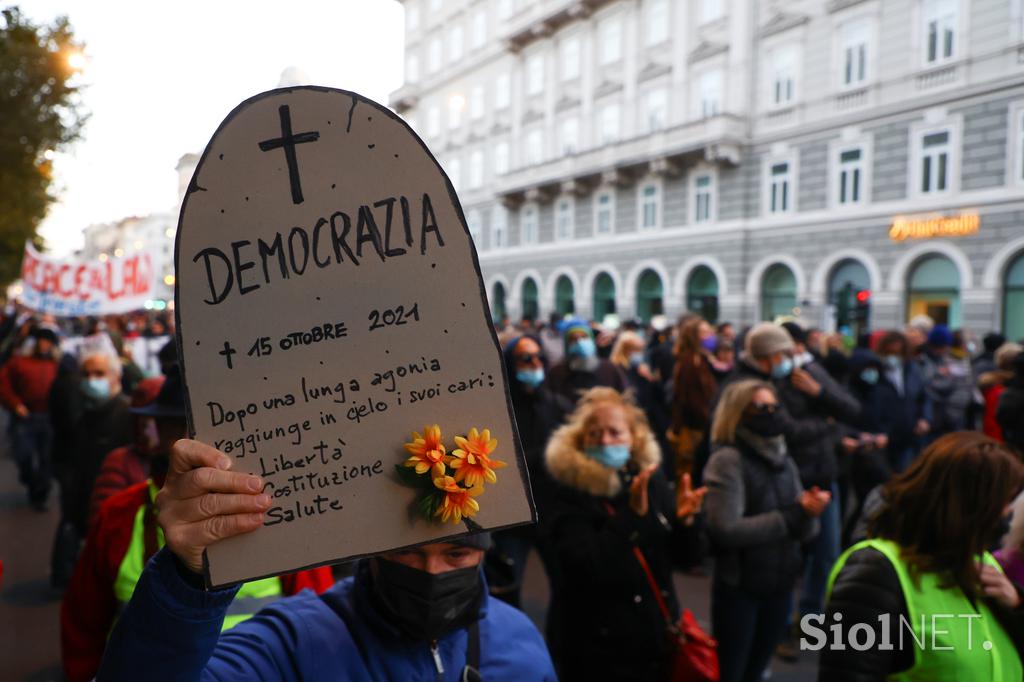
(819, 557)
(748, 628)
(31, 440)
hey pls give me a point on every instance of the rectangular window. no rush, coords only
(412, 17)
(783, 76)
(434, 121)
(476, 102)
(1020, 146)
(505, 8)
(455, 172)
(499, 227)
(474, 223)
(710, 10)
(434, 55)
(703, 191)
(851, 176)
(608, 124)
(412, 69)
(570, 58)
(569, 136)
(650, 201)
(610, 35)
(779, 188)
(501, 158)
(455, 44)
(564, 219)
(604, 213)
(435, 5)
(476, 169)
(456, 103)
(853, 57)
(940, 19)
(657, 22)
(535, 74)
(655, 110)
(502, 91)
(709, 94)
(529, 225)
(479, 28)
(935, 152)
(534, 147)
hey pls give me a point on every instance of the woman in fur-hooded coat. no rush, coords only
(609, 496)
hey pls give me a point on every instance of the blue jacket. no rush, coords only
(171, 631)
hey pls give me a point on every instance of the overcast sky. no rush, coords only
(162, 75)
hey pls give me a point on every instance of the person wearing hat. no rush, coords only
(25, 382)
(993, 383)
(124, 535)
(948, 382)
(417, 614)
(581, 369)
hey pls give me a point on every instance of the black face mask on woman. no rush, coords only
(427, 606)
(766, 424)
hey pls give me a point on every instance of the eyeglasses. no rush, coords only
(526, 358)
(764, 408)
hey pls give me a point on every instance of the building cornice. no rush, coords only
(782, 22)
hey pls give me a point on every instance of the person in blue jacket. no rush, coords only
(418, 614)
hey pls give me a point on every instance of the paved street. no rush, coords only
(30, 610)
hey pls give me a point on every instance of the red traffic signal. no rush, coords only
(863, 296)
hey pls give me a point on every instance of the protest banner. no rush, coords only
(73, 287)
(329, 304)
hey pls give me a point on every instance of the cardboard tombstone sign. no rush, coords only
(329, 305)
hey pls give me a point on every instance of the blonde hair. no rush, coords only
(619, 355)
(595, 398)
(734, 401)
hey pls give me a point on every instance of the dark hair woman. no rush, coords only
(924, 589)
(693, 389)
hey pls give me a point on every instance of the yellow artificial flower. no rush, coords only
(427, 452)
(472, 462)
(458, 501)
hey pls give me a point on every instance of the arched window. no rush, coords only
(649, 295)
(565, 296)
(498, 309)
(1013, 299)
(934, 290)
(528, 297)
(778, 292)
(847, 279)
(702, 293)
(604, 296)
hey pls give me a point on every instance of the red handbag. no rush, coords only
(693, 653)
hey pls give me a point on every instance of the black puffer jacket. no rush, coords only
(754, 518)
(866, 588)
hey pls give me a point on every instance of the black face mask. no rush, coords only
(427, 606)
(764, 424)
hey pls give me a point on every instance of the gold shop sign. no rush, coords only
(936, 226)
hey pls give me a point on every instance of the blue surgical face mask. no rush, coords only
(783, 369)
(709, 343)
(613, 456)
(96, 387)
(583, 348)
(531, 377)
(893, 361)
(636, 359)
(869, 376)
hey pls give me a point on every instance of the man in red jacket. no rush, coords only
(25, 382)
(123, 537)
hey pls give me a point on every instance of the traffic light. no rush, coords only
(862, 310)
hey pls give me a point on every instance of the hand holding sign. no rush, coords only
(329, 304)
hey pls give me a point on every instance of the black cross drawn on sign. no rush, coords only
(288, 141)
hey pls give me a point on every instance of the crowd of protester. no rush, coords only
(809, 472)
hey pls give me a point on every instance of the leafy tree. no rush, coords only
(40, 113)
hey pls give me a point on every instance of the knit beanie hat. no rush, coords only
(767, 339)
(940, 336)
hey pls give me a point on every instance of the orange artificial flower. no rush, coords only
(472, 462)
(458, 501)
(427, 451)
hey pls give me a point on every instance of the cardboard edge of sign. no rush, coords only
(193, 187)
